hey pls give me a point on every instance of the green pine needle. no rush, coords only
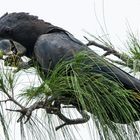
(96, 93)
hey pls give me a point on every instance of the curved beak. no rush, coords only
(8, 47)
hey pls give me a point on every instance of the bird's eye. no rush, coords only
(7, 30)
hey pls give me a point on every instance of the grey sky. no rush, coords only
(79, 15)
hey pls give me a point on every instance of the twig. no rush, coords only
(109, 50)
(5, 100)
(52, 109)
(13, 100)
(84, 119)
(28, 111)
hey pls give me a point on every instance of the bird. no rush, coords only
(43, 39)
(48, 44)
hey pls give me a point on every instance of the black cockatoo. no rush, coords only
(48, 44)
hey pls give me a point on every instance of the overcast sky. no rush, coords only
(78, 16)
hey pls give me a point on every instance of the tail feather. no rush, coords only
(115, 73)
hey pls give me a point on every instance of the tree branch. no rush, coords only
(84, 119)
(52, 109)
(109, 50)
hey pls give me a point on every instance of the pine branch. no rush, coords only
(108, 50)
(51, 109)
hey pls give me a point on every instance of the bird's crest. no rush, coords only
(21, 16)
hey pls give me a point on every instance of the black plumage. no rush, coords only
(49, 43)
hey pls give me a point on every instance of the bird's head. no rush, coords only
(23, 28)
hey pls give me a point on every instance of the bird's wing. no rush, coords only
(51, 48)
